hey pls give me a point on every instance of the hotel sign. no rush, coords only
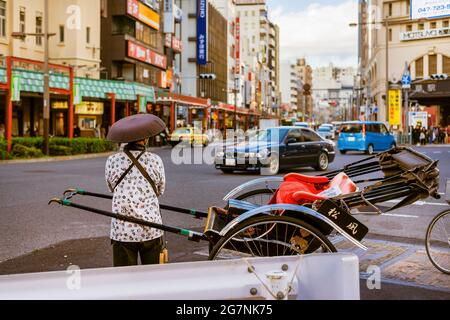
(424, 34)
(427, 9)
(141, 12)
(141, 53)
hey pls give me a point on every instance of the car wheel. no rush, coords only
(273, 168)
(227, 171)
(370, 149)
(322, 162)
(343, 151)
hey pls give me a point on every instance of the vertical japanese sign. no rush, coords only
(395, 102)
(142, 104)
(77, 98)
(169, 20)
(202, 32)
(238, 46)
(15, 87)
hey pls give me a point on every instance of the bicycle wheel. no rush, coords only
(437, 241)
(269, 236)
(259, 197)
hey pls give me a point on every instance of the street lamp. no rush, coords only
(386, 25)
(46, 35)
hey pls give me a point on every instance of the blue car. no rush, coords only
(365, 136)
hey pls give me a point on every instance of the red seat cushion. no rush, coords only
(299, 189)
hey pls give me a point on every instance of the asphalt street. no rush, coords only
(28, 224)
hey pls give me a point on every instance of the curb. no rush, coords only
(55, 159)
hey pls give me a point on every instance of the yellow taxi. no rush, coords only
(188, 135)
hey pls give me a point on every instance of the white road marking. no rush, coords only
(437, 152)
(399, 215)
(421, 203)
(388, 215)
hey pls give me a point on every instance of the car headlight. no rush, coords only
(262, 154)
(220, 154)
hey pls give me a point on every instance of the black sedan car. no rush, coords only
(277, 148)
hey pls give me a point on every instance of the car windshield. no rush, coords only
(182, 131)
(324, 129)
(351, 128)
(274, 135)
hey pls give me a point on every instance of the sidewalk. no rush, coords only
(67, 158)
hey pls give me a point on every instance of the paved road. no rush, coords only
(28, 223)
(37, 237)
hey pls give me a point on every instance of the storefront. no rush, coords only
(89, 119)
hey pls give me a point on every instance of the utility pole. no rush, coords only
(386, 25)
(46, 82)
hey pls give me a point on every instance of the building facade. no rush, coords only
(392, 43)
(333, 93)
(260, 54)
(74, 23)
(303, 74)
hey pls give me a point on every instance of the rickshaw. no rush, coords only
(298, 214)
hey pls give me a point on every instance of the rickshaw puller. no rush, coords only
(137, 178)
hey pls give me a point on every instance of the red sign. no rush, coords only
(143, 13)
(177, 45)
(141, 53)
(238, 46)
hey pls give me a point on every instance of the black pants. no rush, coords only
(126, 253)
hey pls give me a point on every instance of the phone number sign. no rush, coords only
(429, 8)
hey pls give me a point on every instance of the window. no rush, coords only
(390, 9)
(310, 136)
(296, 135)
(432, 64)
(445, 24)
(421, 26)
(409, 27)
(61, 34)
(2, 18)
(390, 34)
(419, 68)
(38, 28)
(408, 7)
(88, 34)
(383, 129)
(446, 65)
(122, 25)
(433, 25)
(22, 21)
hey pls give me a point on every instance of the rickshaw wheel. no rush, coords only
(259, 197)
(437, 242)
(268, 236)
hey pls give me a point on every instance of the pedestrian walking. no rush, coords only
(137, 178)
(422, 137)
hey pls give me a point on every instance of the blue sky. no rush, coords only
(317, 30)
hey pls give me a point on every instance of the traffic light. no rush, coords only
(442, 76)
(208, 76)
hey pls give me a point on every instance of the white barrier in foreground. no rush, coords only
(319, 276)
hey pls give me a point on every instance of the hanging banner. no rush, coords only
(15, 87)
(202, 32)
(77, 98)
(395, 102)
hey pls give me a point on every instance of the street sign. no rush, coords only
(406, 81)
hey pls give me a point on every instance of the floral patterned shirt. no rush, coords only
(134, 196)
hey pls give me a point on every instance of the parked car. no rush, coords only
(365, 136)
(188, 135)
(302, 125)
(326, 131)
(277, 148)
